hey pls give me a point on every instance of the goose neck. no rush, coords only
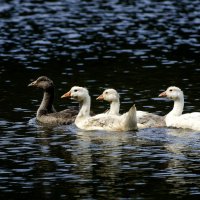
(85, 107)
(47, 102)
(114, 107)
(178, 107)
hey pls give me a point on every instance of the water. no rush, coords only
(137, 47)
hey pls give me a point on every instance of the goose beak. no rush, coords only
(163, 94)
(66, 95)
(32, 84)
(100, 97)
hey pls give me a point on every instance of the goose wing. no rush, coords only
(102, 122)
(149, 120)
(63, 117)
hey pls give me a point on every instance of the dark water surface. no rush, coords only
(138, 47)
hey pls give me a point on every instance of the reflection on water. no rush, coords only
(91, 164)
(137, 47)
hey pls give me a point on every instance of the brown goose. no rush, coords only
(46, 113)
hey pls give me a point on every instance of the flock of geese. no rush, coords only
(111, 120)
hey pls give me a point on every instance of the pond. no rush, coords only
(139, 48)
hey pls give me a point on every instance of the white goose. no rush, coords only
(144, 119)
(175, 118)
(112, 96)
(125, 122)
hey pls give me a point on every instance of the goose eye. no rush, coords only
(75, 90)
(106, 92)
(170, 90)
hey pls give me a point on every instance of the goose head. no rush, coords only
(173, 93)
(109, 95)
(42, 82)
(77, 93)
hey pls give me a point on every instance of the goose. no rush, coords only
(46, 113)
(175, 118)
(112, 96)
(144, 119)
(125, 122)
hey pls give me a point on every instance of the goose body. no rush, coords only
(175, 118)
(46, 113)
(144, 119)
(104, 121)
(149, 120)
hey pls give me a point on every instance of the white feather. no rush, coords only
(102, 121)
(175, 118)
(144, 119)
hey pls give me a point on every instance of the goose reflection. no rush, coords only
(180, 170)
(99, 153)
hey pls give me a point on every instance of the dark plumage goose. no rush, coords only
(46, 113)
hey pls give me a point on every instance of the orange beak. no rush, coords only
(66, 95)
(163, 94)
(100, 97)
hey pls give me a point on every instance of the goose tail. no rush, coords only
(130, 122)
